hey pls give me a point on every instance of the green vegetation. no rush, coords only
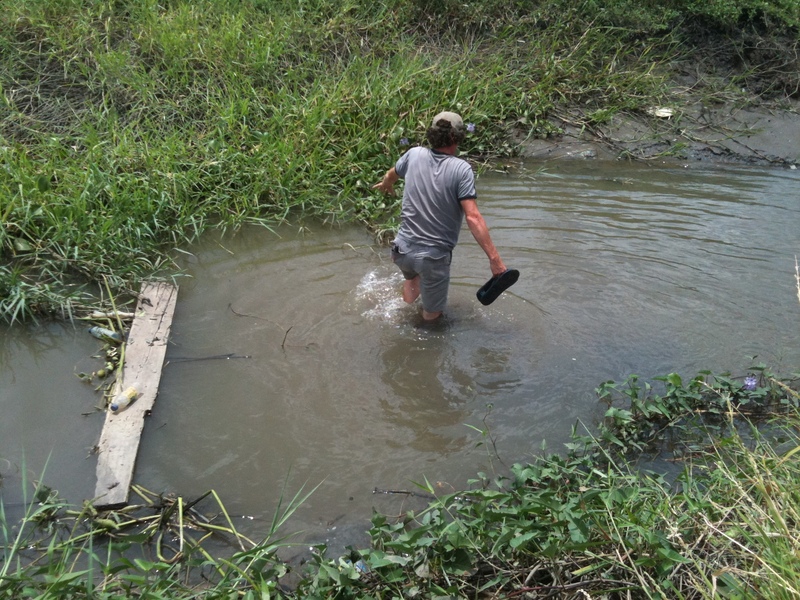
(576, 525)
(129, 128)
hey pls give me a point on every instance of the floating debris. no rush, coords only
(107, 335)
(661, 113)
(111, 315)
(122, 400)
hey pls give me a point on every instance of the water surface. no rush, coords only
(333, 383)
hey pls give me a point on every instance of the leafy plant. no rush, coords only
(586, 522)
(59, 552)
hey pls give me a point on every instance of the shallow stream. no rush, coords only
(333, 383)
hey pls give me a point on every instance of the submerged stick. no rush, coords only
(212, 357)
(404, 493)
(285, 335)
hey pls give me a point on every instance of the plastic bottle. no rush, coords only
(107, 335)
(123, 399)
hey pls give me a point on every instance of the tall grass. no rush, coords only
(129, 128)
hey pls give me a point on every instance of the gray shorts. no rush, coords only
(434, 275)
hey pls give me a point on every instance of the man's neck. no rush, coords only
(448, 149)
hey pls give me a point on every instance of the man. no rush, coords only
(439, 193)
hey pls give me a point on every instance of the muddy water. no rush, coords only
(293, 362)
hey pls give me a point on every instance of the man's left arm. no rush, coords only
(386, 185)
(480, 231)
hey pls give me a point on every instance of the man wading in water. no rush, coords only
(439, 192)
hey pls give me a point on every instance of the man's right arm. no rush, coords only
(480, 231)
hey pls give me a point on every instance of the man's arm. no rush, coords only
(387, 183)
(480, 231)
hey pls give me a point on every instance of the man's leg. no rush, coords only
(408, 266)
(434, 286)
(426, 316)
(411, 289)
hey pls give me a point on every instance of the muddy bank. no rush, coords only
(765, 134)
(731, 99)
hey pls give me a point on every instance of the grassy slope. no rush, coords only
(129, 128)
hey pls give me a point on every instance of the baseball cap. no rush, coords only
(453, 118)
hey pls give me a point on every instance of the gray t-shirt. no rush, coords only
(435, 185)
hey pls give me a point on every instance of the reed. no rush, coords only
(158, 548)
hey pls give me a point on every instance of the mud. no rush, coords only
(749, 131)
(718, 112)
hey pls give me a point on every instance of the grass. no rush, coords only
(154, 549)
(129, 129)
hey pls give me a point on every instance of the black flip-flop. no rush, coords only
(496, 286)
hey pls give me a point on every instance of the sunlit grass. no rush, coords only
(131, 128)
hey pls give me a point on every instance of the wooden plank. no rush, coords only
(144, 357)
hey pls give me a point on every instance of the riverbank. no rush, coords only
(585, 522)
(731, 99)
(709, 115)
(129, 130)
(759, 134)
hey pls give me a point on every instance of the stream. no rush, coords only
(294, 365)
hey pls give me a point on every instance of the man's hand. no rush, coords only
(497, 266)
(387, 183)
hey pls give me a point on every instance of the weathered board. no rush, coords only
(144, 357)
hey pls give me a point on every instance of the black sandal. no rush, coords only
(496, 286)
